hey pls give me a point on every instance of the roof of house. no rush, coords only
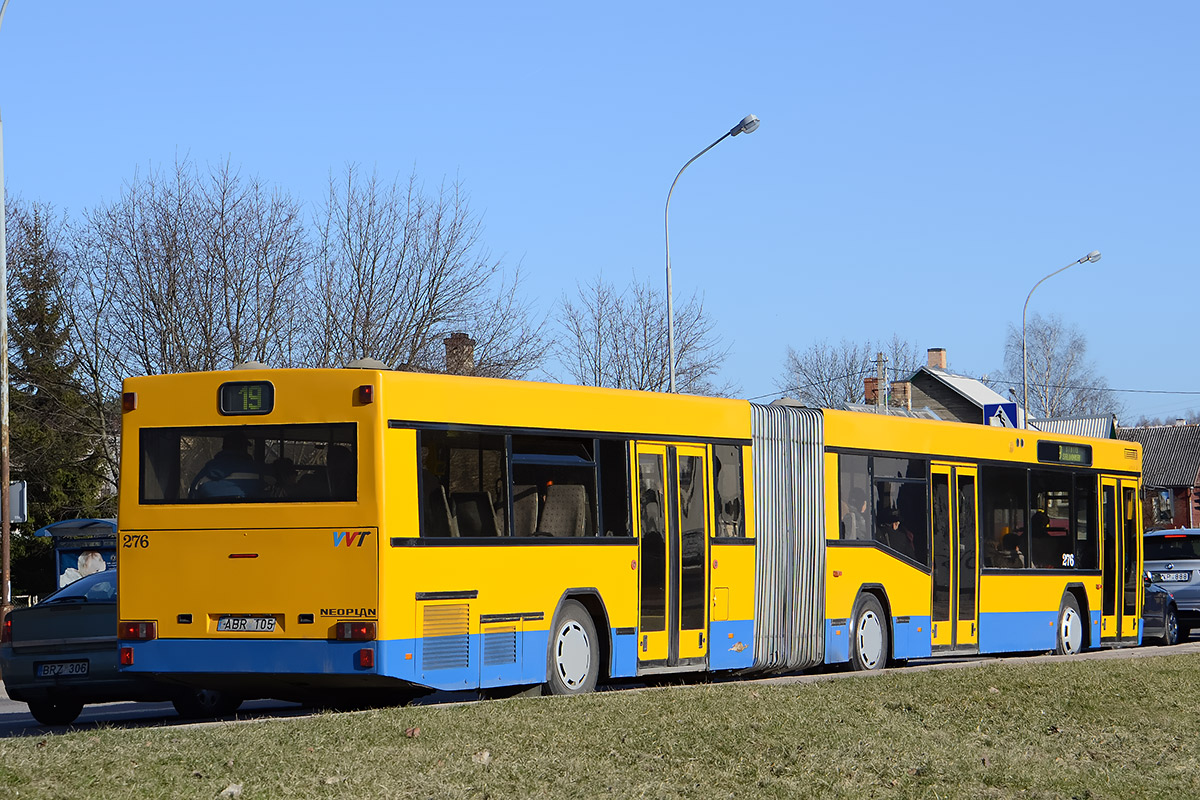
(971, 389)
(1170, 454)
(1101, 427)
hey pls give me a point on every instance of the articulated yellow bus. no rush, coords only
(301, 533)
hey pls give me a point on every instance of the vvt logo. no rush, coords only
(349, 538)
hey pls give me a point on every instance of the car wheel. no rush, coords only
(1170, 627)
(56, 712)
(1070, 627)
(203, 703)
(573, 657)
(868, 635)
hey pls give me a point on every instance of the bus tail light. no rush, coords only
(129, 401)
(366, 658)
(137, 631)
(126, 656)
(355, 631)
(366, 395)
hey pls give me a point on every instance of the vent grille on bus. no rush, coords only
(447, 642)
(500, 647)
(1130, 453)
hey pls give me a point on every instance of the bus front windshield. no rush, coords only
(249, 464)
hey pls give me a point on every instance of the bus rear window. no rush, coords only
(249, 464)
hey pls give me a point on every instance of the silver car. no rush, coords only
(1173, 561)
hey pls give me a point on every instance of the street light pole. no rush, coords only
(5, 511)
(1093, 257)
(748, 125)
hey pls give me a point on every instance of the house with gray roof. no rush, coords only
(953, 397)
(1170, 474)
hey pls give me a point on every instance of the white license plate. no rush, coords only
(56, 668)
(1174, 576)
(246, 624)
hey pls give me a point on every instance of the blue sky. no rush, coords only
(920, 166)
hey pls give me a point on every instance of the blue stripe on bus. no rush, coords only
(454, 663)
(837, 642)
(1017, 631)
(731, 644)
(912, 639)
(291, 656)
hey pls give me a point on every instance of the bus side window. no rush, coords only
(463, 484)
(854, 507)
(727, 490)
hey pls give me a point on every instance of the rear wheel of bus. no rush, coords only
(1070, 627)
(203, 703)
(573, 655)
(868, 635)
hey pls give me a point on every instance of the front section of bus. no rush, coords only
(248, 530)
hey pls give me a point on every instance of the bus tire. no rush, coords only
(205, 703)
(868, 635)
(573, 654)
(1070, 627)
(55, 711)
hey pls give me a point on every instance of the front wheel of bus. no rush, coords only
(1070, 628)
(573, 657)
(868, 635)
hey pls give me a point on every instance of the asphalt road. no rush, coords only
(15, 719)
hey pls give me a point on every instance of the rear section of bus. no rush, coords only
(249, 530)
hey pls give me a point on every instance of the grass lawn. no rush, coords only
(1088, 729)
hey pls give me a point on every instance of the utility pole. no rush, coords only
(5, 511)
(880, 378)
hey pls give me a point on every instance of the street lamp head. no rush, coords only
(1092, 256)
(747, 125)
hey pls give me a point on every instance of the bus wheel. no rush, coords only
(573, 657)
(1070, 627)
(204, 703)
(868, 635)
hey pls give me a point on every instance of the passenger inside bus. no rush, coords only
(854, 516)
(232, 472)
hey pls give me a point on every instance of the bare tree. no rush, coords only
(186, 271)
(618, 339)
(1063, 382)
(397, 270)
(830, 375)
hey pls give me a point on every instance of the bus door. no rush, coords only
(955, 604)
(1121, 565)
(672, 517)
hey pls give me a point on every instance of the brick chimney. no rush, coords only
(460, 354)
(937, 358)
(902, 394)
(871, 391)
